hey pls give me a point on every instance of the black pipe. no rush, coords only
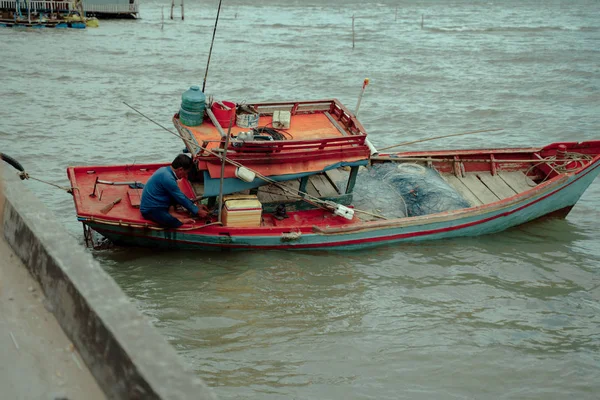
(12, 162)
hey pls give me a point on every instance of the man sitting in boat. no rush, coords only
(161, 192)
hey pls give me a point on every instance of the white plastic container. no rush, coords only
(343, 211)
(246, 136)
(245, 174)
(281, 119)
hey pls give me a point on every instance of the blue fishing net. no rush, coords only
(405, 190)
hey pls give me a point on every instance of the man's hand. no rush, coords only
(202, 211)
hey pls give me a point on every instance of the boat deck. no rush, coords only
(482, 187)
(302, 127)
(320, 185)
(477, 188)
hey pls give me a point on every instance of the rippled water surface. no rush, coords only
(515, 315)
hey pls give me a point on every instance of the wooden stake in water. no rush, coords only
(352, 32)
(182, 17)
(172, 6)
(162, 18)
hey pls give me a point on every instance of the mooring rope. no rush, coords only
(24, 175)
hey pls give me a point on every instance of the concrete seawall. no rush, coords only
(122, 350)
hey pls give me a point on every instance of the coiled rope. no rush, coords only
(561, 164)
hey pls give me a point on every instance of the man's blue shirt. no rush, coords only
(161, 191)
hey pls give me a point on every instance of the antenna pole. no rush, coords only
(211, 46)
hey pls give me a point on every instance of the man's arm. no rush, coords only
(179, 197)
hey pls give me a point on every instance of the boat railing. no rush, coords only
(335, 110)
(290, 150)
(88, 6)
(279, 146)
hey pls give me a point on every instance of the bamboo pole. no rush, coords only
(372, 148)
(479, 160)
(182, 16)
(223, 160)
(172, 6)
(162, 18)
(211, 47)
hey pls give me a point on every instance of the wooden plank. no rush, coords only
(460, 187)
(311, 189)
(323, 186)
(265, 197)
(339, 178)
(273, 194)
(517, 180)
(135, 197)
(334, 122)
(496, 185)
(337, 174)
(478, 188)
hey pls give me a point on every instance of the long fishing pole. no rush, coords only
(441, 137)
(372, 148)
(211, 46)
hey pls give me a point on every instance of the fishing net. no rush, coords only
(405, 190)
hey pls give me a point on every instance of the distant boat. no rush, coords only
(93, 8)
(48, 15)
(293, 187)
(42, 23)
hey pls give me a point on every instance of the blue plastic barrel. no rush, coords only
(193, 103)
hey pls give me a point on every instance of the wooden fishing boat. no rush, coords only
(313, 208)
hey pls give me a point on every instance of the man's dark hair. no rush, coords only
(182, 161)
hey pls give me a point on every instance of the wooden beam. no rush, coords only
(352, 179)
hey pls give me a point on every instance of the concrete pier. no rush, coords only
(37, 359)
(66, 329)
